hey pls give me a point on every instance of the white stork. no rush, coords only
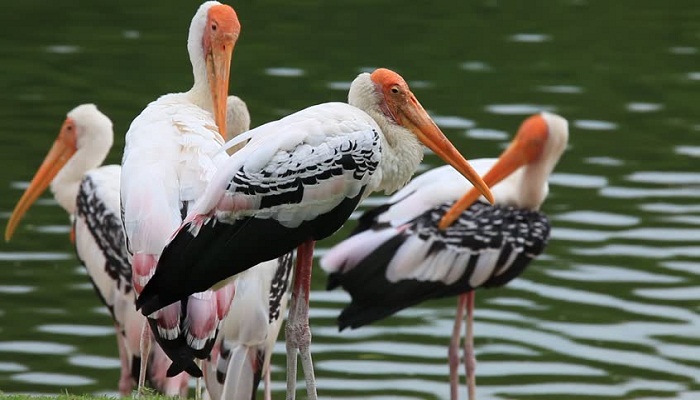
(171, 152)
(243, 350)
(90, 195)
(297, 181)
(399, 256)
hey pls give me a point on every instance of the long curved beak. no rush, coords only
(62, 150)
(420, 123)
(218, 63)
(512, 158)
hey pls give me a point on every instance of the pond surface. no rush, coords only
(611, 311)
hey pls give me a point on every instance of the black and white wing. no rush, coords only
(297, 179)
(488, 246)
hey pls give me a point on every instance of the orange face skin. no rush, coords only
(220, 35)
(402, 107)
(526, 148)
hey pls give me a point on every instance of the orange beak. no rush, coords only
(62, 150)
(519, 153)
(419, 122)
(218, 61)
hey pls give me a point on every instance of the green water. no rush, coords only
(611, 311)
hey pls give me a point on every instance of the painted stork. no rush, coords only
(297, 181)
(242, 353)
(171, 152)
(90, 194)
(399, 256)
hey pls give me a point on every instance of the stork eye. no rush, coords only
(213, 27)
(394, 90)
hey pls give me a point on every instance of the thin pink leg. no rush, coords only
(145, 347)
(453, 351)
(125, 382)
(297, 331)
(469, 357)
(268, 384)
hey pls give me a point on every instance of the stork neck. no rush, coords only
(67, 182)
(200, 94)
(401, 154)
(533, 186)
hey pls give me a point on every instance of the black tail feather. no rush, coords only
(194, 263)
(178, 352)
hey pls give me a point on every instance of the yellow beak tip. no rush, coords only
(490, 198)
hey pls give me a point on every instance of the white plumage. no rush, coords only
(90, 194)
(296, 181)
(172, 150)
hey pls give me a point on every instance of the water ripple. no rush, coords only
(570, 295)
(52, 379)
(594, 389)
(516, 302)
(341, 85)
(16, 289)
(595, 353)
(84, 360)
(644, 107)
(683, 266)
(63, 49)
(452, 122)
(33, 256)
(52, 229)
(487, 134)
(665, 178)
(131, 34)
(678, 293)
(692, 151)
(579, 235)
(561, 89)
(597, 218)
(76, 330)
(530, 37)
(683, 50)
(475, 66)
(284, 72)
(605, 161)
(33, 347)
(684, 219)
(577, 180)
(670, 208)
(594, 125)
(609, 273)
(634, 193)
(518, 109)
(12, 367)
(640, 251)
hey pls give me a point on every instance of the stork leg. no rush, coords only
(198, 382)
(268, 384)
(297, 331)
(145, 348)
(125, 380)
(453, 351)
(469, 357)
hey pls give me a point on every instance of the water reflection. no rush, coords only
(518, 109)
(594, 125)
(32, 347)
(52, 379)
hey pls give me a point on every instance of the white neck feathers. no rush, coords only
(94, 140)
(401, 150)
